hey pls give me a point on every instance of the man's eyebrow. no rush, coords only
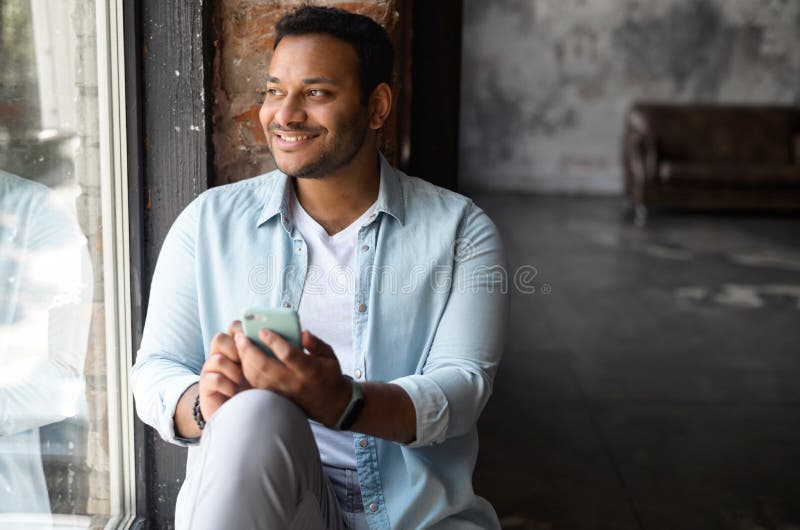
(320, 80)
(308, 81)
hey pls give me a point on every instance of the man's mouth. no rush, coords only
(294, 138)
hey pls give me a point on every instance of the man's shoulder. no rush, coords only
(237, 201)
(47, 218)
(241, 196)
(16, 191)
(253, 187)
(425, 200)
(443, 210)
(421, 189)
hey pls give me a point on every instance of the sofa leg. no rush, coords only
(639, 215)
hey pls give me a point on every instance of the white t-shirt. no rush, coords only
(326, 309)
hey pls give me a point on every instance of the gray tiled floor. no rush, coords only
(653, 379)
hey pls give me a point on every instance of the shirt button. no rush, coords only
(365, 248)
(299, 249)
(362, 308)
(287, 304)
(363, 442)
(357, 373)
(373, 507)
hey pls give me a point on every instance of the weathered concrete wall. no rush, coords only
(546, 83)
(244, 48)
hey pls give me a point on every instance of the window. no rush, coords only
(65, 410)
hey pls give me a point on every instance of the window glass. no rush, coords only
(54, 429)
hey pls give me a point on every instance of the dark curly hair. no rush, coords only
(367, 37)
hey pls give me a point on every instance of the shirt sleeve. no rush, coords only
(43, 346)
(430, 403)
(172, 352)
(456, 380)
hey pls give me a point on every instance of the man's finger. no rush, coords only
(284, 351)
(317, 346)
(260, 370)
(211, 382)
(219, 363)
(223, 343)
(249, 352)
(235, 327)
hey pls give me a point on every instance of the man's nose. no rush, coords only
(290, 112)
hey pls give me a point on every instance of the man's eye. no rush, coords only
(273, 92)
(316, 92)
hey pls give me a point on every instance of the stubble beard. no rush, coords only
(328, 162)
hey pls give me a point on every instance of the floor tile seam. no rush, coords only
(605, 445)
(710, 404)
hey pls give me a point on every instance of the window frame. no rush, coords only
(111, 62)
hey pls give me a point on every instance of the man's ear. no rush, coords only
(380, 105)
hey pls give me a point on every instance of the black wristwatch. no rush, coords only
(353, 408)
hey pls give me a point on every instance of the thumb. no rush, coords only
(316, 346)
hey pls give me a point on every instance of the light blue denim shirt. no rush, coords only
(429, 315)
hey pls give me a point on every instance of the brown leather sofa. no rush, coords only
(712, 157)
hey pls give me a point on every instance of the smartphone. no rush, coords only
(283, 321)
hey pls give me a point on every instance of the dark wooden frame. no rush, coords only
(168, 54)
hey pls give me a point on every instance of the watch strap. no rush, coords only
(353, 408)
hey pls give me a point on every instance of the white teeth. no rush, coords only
(294, 138)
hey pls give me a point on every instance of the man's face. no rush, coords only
(313, 115)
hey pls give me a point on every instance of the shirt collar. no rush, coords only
(390, 196)
(277, 200)
(390, 192)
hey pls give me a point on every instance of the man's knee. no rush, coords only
(259, 433)
(258, 413)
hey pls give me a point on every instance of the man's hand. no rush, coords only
(314, 381)
(221, 377)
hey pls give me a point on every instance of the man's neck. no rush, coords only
(336, 200)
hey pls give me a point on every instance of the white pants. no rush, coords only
(259, 468)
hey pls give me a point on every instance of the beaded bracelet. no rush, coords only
(198, 414)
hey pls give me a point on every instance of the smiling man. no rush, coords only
(399, 284)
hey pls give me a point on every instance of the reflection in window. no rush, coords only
(54, 464)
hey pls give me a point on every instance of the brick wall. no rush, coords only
(87, 172)
(243, 50)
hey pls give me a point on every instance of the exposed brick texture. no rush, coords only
(87, 165)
